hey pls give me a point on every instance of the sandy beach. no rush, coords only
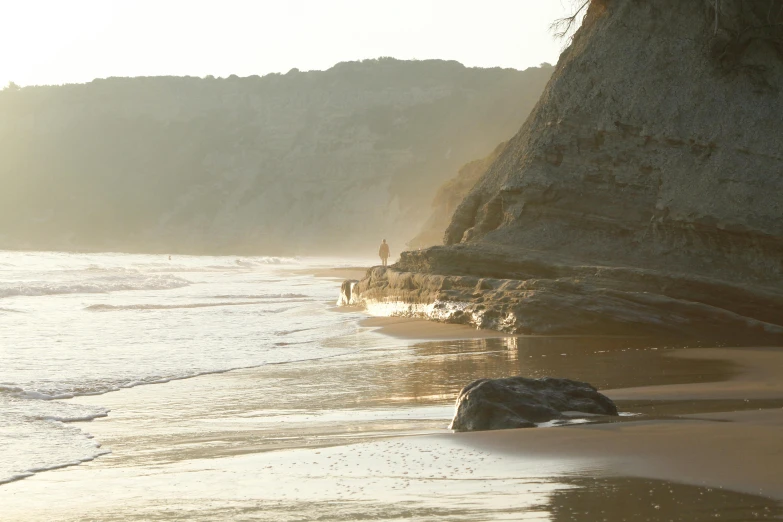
(705, 440)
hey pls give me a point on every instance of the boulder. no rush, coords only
(347, 293)
(519, 402)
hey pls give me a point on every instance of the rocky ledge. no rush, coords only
(518, 402)
(498, 289)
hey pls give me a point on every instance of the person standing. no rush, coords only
(384, 252)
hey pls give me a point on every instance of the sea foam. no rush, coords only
(97, 285)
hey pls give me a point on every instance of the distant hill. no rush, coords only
(306, 162)
(447, 199)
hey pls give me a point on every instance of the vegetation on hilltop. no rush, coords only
(297, 162)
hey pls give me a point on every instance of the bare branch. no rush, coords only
(562, 27)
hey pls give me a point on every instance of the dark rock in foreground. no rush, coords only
(518, 402)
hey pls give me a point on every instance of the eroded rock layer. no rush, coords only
(643, 194)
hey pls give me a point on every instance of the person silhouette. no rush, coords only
(384, 252)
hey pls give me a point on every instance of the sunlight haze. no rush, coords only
(412, 260)
(53, 42)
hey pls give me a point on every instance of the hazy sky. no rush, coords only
(67, 41)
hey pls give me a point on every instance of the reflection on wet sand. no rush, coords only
(668, 408)
(202, 449)
(377, 388)
(440, 369)
(617, 499)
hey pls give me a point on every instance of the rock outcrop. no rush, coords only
(518, 402)
(644, 194)
(318, 162)
(348, 295)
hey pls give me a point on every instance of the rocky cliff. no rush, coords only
(306, 162)
(644, 194)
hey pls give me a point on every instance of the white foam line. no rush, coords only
(145, 307)
(39, 289)
(20, 392)
(42, 396)
(14, 478)
(85, 418)
(261, 296)
(30, 472)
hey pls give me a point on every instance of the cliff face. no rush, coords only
(643, 194)
(306, 162)
(448, 198)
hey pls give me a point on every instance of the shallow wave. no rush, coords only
(108, 308)
(17, 391)
(280, 310)
(263, 296)
(289, 332)
(99, 268)
(100, 388)
(96, 286)
(243, 264)
(42, 436)
(32, 471)
(267, 261)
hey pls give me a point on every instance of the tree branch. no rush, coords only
(563, 26)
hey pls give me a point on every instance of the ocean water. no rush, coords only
(90, 324)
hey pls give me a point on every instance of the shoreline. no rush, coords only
(237, 449)
(414, 328)
(346, 272)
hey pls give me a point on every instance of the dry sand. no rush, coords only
(718, 455)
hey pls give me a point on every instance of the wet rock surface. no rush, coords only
(519, 402)
(347, 293)
(495, 289)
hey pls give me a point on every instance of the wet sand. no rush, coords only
(368, 439)
(737, 447)
(737, 451)
(348, 272)
(413, 328)
(760, 377)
